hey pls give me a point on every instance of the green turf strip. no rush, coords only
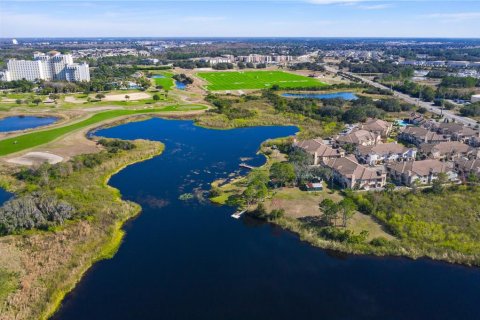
(30, 140)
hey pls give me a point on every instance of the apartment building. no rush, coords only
(50, 66)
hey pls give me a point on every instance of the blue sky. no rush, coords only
(268, 18)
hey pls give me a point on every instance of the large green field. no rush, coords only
(256, 80)
(30, 140)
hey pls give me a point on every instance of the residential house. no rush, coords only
(424, 171)
(350, 174)
(456, 131)
(419, 135)
(474, 141)
(416, 118)
(448, 150)
(465, 167)
(319, 150)
(359, 137)
(385, 152)
(380, 127)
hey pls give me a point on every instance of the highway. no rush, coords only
(427, 105)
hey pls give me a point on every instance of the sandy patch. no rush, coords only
(102, 108)
(73, 100)
(36, 158)
(133, 96)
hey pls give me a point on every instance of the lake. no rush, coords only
(191, 260)
(335, 95)
(24, 122)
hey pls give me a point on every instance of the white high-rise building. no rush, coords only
(51, 66)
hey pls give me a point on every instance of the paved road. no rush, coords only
(428, 105)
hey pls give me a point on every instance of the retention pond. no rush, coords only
(24, 122)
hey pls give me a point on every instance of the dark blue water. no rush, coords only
(24, 122)
(191, 260)
(4, 196)
(336, 95)
(180, 85)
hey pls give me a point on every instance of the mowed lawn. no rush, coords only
(30, 140)
(166, 82)
(256, 80)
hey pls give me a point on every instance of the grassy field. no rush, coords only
(256, 80)
(30, 140)
(167, 82)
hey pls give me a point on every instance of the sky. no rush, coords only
(231, 18)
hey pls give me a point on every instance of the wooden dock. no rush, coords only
(246, 166)
(237, 215)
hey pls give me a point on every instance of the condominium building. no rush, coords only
(51, 66)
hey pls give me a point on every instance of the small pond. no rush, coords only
(4, 196)
(334, 95)
(180, 85)
(24, 122)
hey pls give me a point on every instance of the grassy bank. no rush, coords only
(30, 140)
(52, 262)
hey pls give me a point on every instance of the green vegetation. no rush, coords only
(8, 283)
(36, 210)
(67, 251)
(440, 223)
(256, 80)
(472, 110)
(165, 83)
(255, 110)
(34, 139)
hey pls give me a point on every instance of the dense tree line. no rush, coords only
(190, 64)
(222, 66)
(392, 70)
(460, 82)
(226, 107)
(307, 66)
(18, 85)
(330, 109)
(183, 78)
(471, 110)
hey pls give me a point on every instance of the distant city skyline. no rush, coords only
(229, 18)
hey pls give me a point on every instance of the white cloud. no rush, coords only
(456, 16)
(376, 6)
(203, 19)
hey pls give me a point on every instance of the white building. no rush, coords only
(51, 66)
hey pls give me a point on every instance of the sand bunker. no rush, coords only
(121, 97)
(74, 100)
(36, 158)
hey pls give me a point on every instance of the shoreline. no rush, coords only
(308, 235)
(111, 246)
